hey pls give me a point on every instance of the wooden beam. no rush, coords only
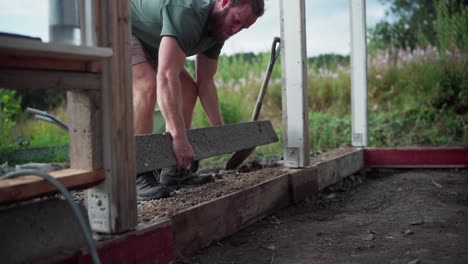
(333, 171)
(199, 226)
(147, 244)
(417, 157)
(42, 79)
(85, 129)
(117, 211)
(155, 151)
(303, 183)
(27, 187)
(31, 47)
(22, 61)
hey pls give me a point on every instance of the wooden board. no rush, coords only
(333, 171)
(155, 151)
(417, 157)
(303, 183)
(148, 244)
(199, 226)
(20, 61)
(27, 187)
(85, 129)
(32, 47)
(46, 79)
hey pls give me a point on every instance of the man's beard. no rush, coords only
(214, 26)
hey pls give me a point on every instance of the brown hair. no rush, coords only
(258, 6)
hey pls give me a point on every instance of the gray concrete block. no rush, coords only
(154, 151)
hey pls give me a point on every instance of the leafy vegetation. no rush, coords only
(9, 106)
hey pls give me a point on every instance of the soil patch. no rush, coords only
(226, 182)
(394, 216)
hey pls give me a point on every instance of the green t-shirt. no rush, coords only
(183, 19)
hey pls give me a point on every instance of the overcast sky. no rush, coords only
(327, 24)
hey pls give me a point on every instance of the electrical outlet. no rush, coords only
(98, 210)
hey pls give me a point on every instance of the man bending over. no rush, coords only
(164, 34)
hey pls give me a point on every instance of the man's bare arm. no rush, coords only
(206, 69)
(170, 65)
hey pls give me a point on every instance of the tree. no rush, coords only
(411, 23)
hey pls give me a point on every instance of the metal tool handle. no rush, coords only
(47, 117)
(36, 111)
(275, 51)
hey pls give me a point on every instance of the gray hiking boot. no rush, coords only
(148, 188)
(173, 176)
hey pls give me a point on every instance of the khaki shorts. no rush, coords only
(139, 55)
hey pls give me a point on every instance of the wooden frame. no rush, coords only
(98, 80)
(35, 48)
(116, 196)
(28, 187)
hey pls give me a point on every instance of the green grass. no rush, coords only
(32, 134)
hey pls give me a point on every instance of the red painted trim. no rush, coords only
(153, 246)
(416, 157)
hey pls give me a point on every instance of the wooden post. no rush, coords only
(112, 205)
(85, 129)
(294, 82)
(358, 73)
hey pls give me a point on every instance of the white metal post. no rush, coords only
(87, 23)
(63, 22)
(294, 83)
(358, 73)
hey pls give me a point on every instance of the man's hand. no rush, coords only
(183, 151)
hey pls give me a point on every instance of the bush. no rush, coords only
(10, 108)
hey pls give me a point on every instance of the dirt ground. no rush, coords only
(390, 216)
(225, 182)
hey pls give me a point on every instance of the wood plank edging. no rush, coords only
(417, 157)
(333, 171)
(27, 187)
(201, 225)
(228, 214)
(147, 244)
